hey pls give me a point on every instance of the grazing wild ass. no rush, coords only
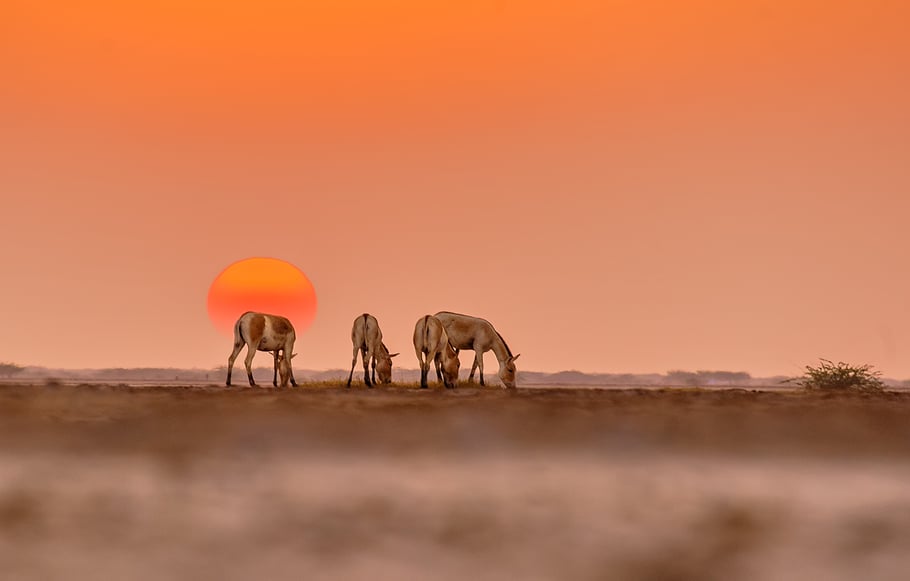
(431, 343)
(367, 339)
(466, 332)
(261, 332)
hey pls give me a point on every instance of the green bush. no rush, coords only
(839, 377)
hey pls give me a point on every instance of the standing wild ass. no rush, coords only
(367, 338)
(466, 332)
(432, 342)
(261, 332)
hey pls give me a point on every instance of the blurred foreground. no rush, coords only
(120, 482)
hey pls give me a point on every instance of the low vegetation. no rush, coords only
(10, 369)
(841, 376)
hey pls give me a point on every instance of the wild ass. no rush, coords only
(466, 332)
(262, 332)
(431, 343)
(367, 338)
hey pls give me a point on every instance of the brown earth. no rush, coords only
(126, 482)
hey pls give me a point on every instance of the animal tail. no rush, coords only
(238, 332)
(363, 342)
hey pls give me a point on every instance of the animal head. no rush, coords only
(284, 369)
(507, 371)
(384, 365)
(450, 365)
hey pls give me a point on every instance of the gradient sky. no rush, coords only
(618, 185)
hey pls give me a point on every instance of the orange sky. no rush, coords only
(619, 185)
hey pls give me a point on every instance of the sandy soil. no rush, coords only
(121, 482)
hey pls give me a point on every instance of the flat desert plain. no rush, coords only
(322, 482)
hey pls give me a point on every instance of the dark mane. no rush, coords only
(466, 316)
(509, 351)
(363, 344)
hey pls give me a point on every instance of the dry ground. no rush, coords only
(121, 482)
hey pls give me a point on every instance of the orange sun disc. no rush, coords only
(266, 285)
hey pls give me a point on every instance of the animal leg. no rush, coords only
(353, 365)
(473, 368)
(423, 377)
(291, 367)
(250, 352)
(438, 364)
(478, 358)
(231, 359)
(432, 359)
(275, 371)
(366, 366)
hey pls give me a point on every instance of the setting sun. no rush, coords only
(267, 285)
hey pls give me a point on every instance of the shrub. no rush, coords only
(839, 377)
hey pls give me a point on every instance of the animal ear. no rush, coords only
(516, 357)
(394, 355)
(293, 355)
